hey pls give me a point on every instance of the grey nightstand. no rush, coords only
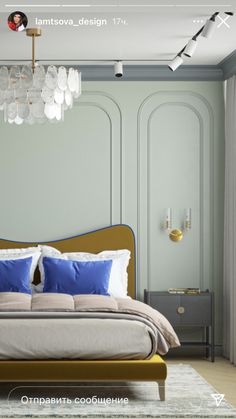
(184, 310)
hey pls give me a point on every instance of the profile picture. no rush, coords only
(17, 21)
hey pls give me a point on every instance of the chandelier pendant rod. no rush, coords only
(33, 32)
(33, 53)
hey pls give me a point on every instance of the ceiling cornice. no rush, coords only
(152, 73)
(228, 65)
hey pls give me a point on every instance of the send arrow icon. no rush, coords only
(218, 398)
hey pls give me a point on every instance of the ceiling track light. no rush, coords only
(189, 49)
(118, 69)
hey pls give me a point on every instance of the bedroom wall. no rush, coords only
(126, 152)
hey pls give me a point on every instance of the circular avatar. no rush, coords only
(17, 21)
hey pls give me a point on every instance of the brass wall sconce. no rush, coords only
(177, 234)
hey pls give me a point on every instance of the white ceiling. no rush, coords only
(154, 30)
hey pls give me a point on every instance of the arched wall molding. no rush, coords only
(110, 105)
(201, 176)
(200, 107)
(98, 106)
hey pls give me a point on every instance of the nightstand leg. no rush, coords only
(213, 329)
(161, 388)
(207, 341)
(212, 344)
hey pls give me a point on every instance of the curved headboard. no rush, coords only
(110, 238)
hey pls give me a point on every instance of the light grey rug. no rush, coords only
(187, 395)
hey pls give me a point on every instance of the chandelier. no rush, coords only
(34, 93)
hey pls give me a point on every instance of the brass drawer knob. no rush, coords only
(181, 310)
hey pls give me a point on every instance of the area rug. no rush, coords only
(187, 395)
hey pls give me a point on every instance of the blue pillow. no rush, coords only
(74, 277)
(15, 275)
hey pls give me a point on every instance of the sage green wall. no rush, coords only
(126, 152)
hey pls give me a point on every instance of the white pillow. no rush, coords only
(50, 252)
(118, 283)
(34, 252)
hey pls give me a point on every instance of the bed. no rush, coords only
(75, 370)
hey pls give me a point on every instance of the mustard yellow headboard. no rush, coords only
(110, 238)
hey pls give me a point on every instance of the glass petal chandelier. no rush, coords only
(35, 94)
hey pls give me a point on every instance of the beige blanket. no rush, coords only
(49, 302)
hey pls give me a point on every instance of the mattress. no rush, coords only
(61, 337)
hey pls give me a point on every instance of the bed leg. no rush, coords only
(161, 388)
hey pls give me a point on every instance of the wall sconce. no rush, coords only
(177, 234)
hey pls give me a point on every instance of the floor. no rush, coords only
(221, 374)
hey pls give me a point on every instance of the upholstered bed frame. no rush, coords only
(154, 369)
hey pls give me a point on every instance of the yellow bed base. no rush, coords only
(154, 369)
